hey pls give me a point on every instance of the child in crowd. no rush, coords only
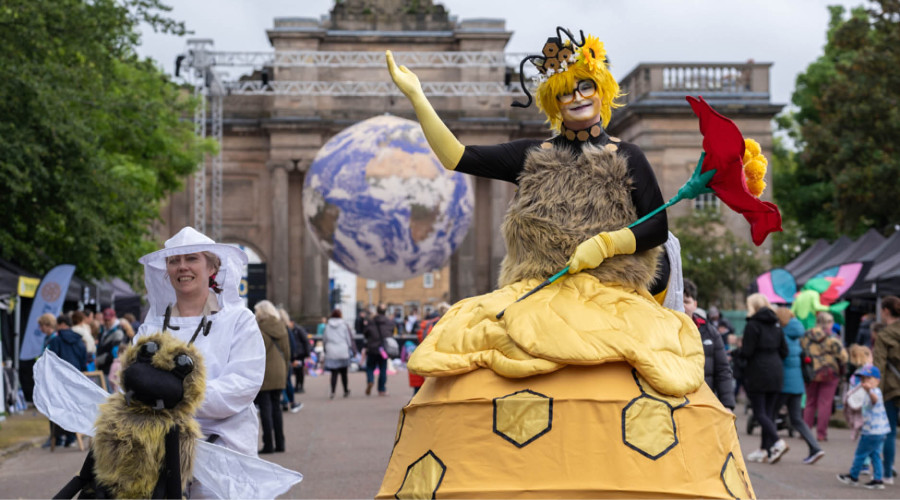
(859, 356)
(875, 428)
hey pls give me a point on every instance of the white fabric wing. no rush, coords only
(244, 476)
(65, 396)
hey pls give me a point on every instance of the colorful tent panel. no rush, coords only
(778, 285)
(814, 264)
(849, 253)
(849, 273)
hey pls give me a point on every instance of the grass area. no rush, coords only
(23, 427)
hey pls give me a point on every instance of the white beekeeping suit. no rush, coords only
(233, 351)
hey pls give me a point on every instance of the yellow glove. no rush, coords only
(593, 252)
(445, 145)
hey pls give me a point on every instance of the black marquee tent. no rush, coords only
(114, 293)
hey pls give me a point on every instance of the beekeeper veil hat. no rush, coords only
(189, 240)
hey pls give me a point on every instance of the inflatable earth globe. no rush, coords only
(380, 204)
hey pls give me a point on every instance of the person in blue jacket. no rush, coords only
(69, 346)
(793, 388)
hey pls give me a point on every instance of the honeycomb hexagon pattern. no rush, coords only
(522, 417)
(648, 426)
(423, 477)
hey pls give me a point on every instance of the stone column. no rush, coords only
(501, 193)
(315, 280)
(462, 268)
(279, 263)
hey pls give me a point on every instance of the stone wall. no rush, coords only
(270, 140)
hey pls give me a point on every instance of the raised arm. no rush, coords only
(445, 145)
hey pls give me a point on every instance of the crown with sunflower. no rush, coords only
(559, 55)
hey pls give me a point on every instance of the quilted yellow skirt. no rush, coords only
(580, 432)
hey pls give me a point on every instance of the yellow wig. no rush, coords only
(564, 82)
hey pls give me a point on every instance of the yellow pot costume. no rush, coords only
(545, 403)
(588, 388)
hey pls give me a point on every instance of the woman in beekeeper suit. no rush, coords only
(197, 280)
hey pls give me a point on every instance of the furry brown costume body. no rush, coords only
(131, 448)
(564, 199)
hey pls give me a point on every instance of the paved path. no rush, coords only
(342, 447)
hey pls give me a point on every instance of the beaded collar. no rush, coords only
(593, 135)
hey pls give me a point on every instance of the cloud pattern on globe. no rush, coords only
(379, 203)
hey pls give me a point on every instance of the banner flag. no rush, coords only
(27, 286)
(49, 299)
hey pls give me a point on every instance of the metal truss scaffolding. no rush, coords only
(201, 62)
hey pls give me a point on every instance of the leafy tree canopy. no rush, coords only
(716, 260)
(92, 138)
(843, 178)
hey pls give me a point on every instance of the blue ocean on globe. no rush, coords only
(379, 203)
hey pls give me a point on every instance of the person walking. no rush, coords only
(792, 389)
(875, 428)
(275, 337)
(379, 328)
(828, 356)
(886, 355)
(300, 351)
(339, 348)
(764, 347)
(288, 399)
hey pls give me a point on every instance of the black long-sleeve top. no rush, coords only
(506, 161)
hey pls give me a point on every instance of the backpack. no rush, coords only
(391, 347)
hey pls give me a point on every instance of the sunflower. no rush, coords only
(592, 52)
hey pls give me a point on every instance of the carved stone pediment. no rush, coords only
(389, 15)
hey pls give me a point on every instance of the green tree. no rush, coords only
(842, 180)
(720, 263)
(92, 138)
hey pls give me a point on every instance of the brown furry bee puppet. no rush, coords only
(144, 445)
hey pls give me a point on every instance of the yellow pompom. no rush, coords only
(756, 187)
(762, 159)
(751, 146)
(754, 170)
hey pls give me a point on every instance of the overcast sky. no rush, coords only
(788, 33)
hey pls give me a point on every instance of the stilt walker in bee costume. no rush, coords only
(588, 388)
